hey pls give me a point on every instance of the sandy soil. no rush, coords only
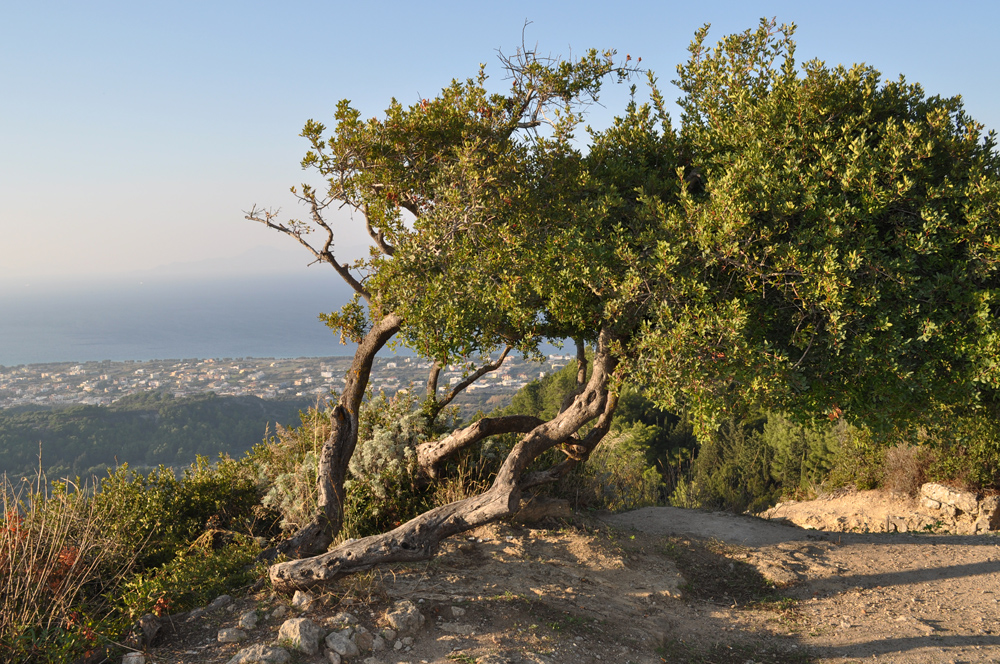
(661, 585)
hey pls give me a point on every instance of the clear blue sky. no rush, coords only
(133, 134)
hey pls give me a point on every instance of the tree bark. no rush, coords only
(419, 538)
(317, 535)
(431, 453)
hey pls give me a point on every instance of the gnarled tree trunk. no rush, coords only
(419, 538)
(317, 535)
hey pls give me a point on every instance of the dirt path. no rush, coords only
(659, 585)
(874, 597)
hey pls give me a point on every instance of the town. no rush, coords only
(104, 382)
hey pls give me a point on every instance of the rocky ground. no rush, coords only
(649, 586)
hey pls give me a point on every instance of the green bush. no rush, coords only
(193, 577)
(617, 475)
(161, 514)
(384, 489)
(731, 471)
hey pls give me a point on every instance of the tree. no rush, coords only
(823, 241)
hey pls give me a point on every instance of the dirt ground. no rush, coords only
(658, 585)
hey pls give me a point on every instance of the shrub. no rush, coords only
(195, 576)
(732, 471)
(617, 475)
(906, 468)
(162, 514)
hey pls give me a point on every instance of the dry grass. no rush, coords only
(906, 468)
(54, 560)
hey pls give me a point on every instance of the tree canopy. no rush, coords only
(809, 237)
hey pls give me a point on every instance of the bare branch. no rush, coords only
(298, 230)
(430, 454)
(581, 374)
(473, 377)
(432, 381)
(377, 236)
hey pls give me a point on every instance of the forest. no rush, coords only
(143, 430)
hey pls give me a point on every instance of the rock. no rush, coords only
(989, 514)
(261, 654)
(301, 634)
(144, 632)
(378, 643)
(363, 639)
(134, 658)
(219, 602)
(398, 645)
(334, 657)
(407, 640)
(342, 619)
(389, 634)
(342, 645)
(302, 600)
(929, 504)
(280, 611)
(457, 612)
(960, 500)
(405, 617)
(248, 620)
(372, 660)
(231, 635)
(457, 628)
(194, 615)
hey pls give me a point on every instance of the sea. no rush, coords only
(169, 318)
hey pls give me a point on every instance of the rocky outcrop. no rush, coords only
(961, 512)
(937, 509)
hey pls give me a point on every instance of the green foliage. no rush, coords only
(803, 455)
(617, 476)
(835, 244)
(384, 489)
(965, 451)
(160, 514)
(542, 398)
(195, 576)
(732, 471)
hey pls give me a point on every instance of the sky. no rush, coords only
(133, 135)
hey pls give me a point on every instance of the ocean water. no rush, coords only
(205, 317)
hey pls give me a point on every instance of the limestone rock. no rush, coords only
(989, 514)
(248, 620)
(341, 620)
(342, 645)
(333, 657)
(457, 628)
(301, 634)
(261, 654)
(134, 658)
(219, 602)
(960, 500)
(302, 600)
(231, 635)
(405, 617)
